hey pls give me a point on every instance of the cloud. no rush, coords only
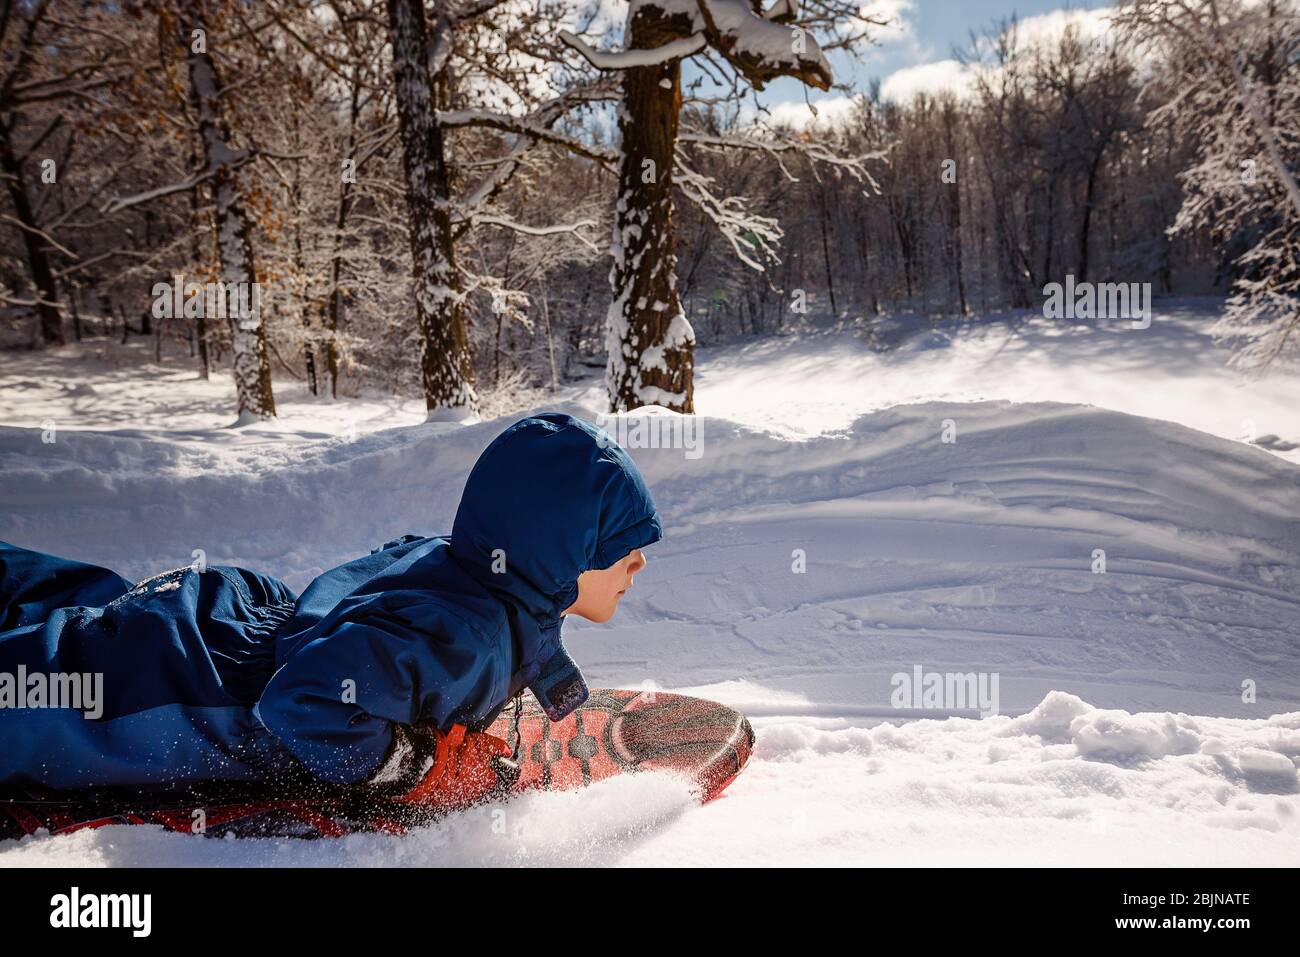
(1040, 30)
(938, 77)
(900, 28)
(1045, 29)
(795, 113)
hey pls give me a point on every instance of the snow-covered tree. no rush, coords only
(1234, 73)
(335, 127)
(1044, 167)
(189, 31)
(222, 160)
(649, 341)
(432, 61)
(445, 361)
(61, 59)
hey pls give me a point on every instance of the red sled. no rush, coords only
(614, 732)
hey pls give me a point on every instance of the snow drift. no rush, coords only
(1083, 555)
(983, 552)
(1007, 791)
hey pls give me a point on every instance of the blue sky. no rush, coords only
(929, 31)
(937, 25)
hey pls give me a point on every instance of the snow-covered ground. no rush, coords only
(1172, 370)
(826, 539)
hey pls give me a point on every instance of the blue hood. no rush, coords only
(549, 499)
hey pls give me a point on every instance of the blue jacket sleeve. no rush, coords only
(339, 703)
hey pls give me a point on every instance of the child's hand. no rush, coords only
(467, 767)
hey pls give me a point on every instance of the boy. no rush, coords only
(380, 675)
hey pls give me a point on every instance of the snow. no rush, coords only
(732, 25)
(753, 36)
(628, 59)
(806, 385)
(826, 541)
(954, 792)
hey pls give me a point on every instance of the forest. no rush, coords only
(477, 201)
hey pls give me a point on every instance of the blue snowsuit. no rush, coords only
(225, 674)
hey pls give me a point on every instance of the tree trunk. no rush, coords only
(334, 303)
(38, 263)
(72, 307)
(1085, 225)
(958, 259)
(445, 365)
(550, 338)
(826, 246)
(251, 364)
(302, 292)
(649, 342)
(201, 326)
(955, 241)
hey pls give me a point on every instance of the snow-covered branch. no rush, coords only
(526, 127)
(119, 203)
(488, 219)
(761, 49)
(753, 237)
(776, 145)
(628, 59)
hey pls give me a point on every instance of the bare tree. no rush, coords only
(234, 226)
(57, 54)
(649, 341)
(445, 362)
(1238, 98)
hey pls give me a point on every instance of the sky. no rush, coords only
(917, 52)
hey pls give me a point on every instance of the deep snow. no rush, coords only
(975, 555)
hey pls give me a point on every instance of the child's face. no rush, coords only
(599, 590)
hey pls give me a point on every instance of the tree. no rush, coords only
(251, 365)
(445, 362)
(649, 341)
(58, 54)
(422, 65)
(187, 26)
(1236, 66)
